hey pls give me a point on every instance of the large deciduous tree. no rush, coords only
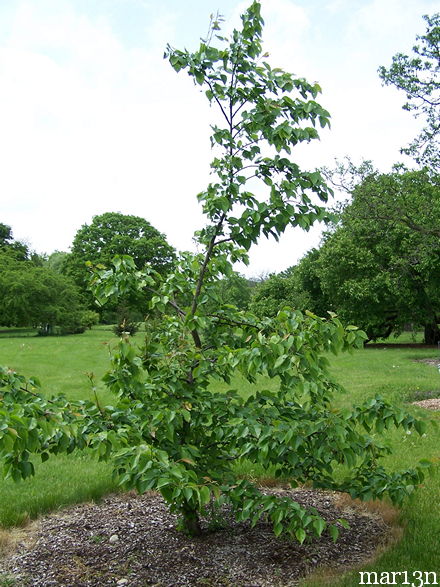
(418, 76)
(168, 430)
(113, 234)
(381, 266)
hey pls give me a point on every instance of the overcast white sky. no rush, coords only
(93, 119)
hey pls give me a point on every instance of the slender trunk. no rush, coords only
(190, 521)
(190, 516)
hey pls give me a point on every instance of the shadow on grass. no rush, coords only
(18, 332)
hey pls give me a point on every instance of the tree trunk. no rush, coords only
(190, 522)
(432, 333)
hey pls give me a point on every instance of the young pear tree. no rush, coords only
(169, 430)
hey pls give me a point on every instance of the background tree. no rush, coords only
(419, 77)
(168, 430)
(113, 234)
(298, 287)
(10, 246)
(273, 294)
(38, 297)
(236, 290)
(381, 266)
(57, 261)
(34, 295)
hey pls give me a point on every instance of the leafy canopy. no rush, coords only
(297, 287)
(168, 430)
(10, 246)
(32, 294)
(113, 233)
(110, 234)
(381, 265)
(418, 76)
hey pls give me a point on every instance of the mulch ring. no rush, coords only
(431, 399)
(428, 404)
(131, 540)
(433, 362)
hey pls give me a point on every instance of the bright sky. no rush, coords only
(94, 120)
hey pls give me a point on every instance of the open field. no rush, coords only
(62, 363)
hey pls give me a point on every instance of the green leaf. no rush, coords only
(319, 526)
(280, 361)
(204, 495)
(163, 482)
(420, 426)
(188, 493)
(26, 469)
(300, 535)
(334, 532)
(200, 78)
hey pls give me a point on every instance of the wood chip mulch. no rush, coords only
(431, 403)
(131, 540)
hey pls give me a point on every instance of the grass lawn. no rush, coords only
(61, 363)
(395, 374)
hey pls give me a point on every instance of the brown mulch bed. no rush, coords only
(131, 540)
(429, 403)
(433, 362)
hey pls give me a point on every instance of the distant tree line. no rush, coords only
(51, 293)
(378, 265)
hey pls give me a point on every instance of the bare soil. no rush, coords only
(132, 540)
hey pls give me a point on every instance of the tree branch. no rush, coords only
(218, 101)
(172, 303)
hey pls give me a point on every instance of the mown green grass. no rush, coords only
(62, 363)
(61, 481)
(395, 374)
(405, 337)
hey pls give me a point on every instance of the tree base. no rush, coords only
(432, 333)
